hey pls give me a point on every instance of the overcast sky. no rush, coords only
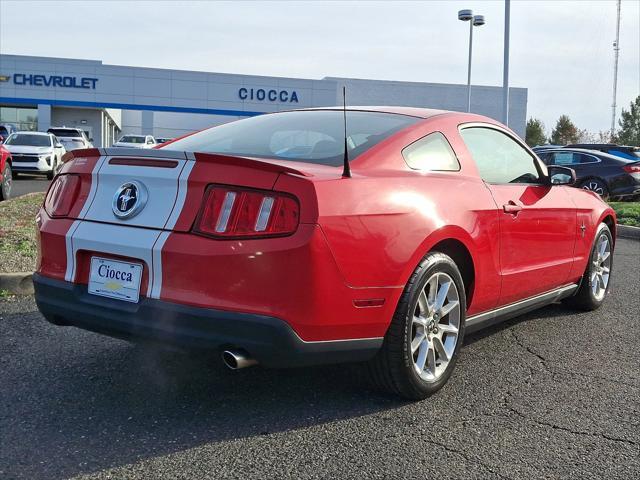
(560, 50)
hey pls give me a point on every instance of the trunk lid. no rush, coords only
(169, 185)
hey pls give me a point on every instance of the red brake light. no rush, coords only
(633, 168)
(62, 195)
(230, 212)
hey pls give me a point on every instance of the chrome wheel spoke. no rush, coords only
(417, 341)
(422, 356)
(449, 307)
(604, 256)
(439, 348)
(447, 328)
(423, 303)
(442, 295)
(433, 290)
(601, 248)
(601, 281)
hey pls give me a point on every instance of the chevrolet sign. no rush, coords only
(37, 80)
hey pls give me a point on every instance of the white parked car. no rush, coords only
(136, 141)
(35, 152)
(71, 138)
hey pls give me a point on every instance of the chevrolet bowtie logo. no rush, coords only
(4, 78)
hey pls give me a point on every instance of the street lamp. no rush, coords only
(474, 21)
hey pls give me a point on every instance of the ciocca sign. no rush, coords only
(268, 95)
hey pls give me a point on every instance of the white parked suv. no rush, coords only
(71, 138)
(136, 141)
(35, 152)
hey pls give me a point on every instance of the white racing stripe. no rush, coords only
(167, 195)
(156, 283)
(120, 240)
(71, 260)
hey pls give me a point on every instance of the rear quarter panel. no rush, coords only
(381, 222)
(591, 212)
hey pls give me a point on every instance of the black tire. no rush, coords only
(392, 369)
(52, 172)
(585, 298)
(7, 182)
(596, 185)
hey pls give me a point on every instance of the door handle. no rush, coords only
(512, 207)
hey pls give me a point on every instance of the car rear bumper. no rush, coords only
(271, 341)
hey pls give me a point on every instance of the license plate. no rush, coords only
(115, 279)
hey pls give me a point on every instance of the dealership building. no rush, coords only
(110, 100)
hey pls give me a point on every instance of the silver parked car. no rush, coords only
(136, 141)
(72, 138)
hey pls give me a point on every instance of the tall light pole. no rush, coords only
(474, 21)
(616, 53)
(505, 65)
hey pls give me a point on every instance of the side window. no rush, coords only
(432, 152)
(499, 158)
(564, 158)
(582, 158)
(545, 157)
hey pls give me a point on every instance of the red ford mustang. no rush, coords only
(261, 238)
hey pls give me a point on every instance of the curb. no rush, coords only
(625, 231)
(17, 283)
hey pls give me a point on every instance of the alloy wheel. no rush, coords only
(7, 181)
(594, 187)
(435, 326)
(601, 267)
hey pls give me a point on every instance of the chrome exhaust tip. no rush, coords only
(237, 359)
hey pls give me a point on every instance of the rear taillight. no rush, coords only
(230, 212)
(62, 195)
(634, 168)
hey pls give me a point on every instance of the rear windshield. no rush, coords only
(314, 136)
(65, 132)
(132, 139)
(25, 139)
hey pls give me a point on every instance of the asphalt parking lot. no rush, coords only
(553, 394)
(28, 184)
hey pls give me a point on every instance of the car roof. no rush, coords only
(27, 132)
(76, 129)
(600, 145)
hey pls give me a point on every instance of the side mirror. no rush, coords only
(58, 145)
(561, 175)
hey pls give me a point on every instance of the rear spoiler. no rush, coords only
(255, 163)
(264, 165)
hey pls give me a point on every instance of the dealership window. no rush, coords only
(432, 152)
(499, 158)
(25, 119)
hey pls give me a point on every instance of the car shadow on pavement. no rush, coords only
(97, 403)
